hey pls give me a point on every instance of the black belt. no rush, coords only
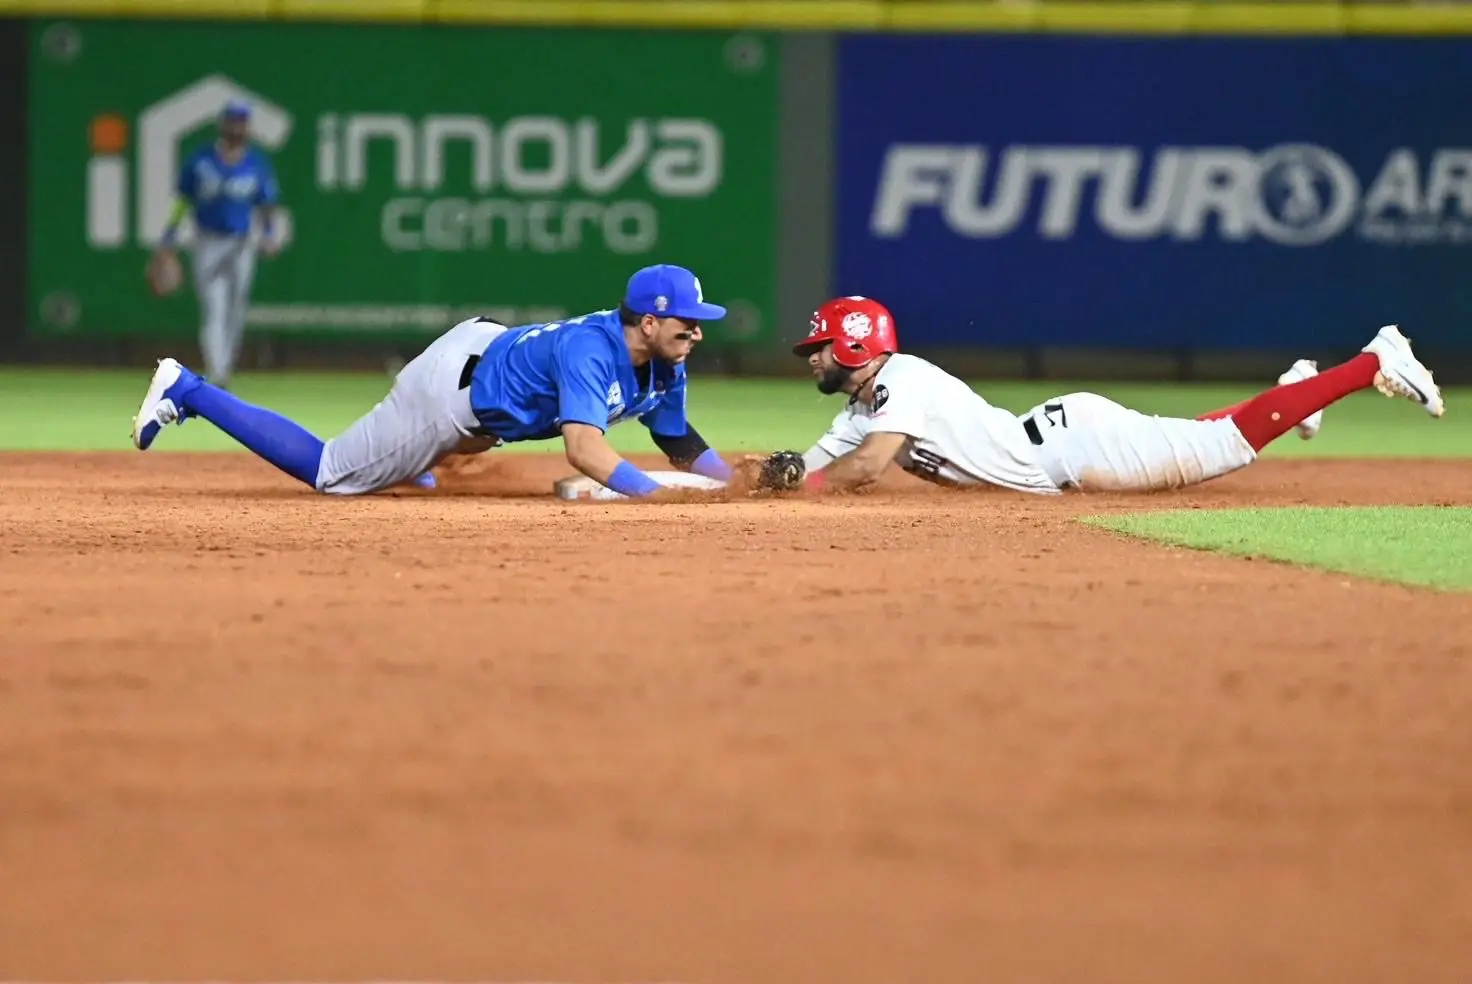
(465, 374)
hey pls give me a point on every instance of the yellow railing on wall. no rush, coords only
(982, 16)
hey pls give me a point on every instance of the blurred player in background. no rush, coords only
(222, 185)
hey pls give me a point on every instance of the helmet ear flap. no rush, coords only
(851, 353)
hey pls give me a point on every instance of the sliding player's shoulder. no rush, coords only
(909, 375)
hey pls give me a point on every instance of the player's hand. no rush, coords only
(779, 472)
(270, 247)
(164, 272)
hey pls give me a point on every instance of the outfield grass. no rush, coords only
(1430, 546)
(55, 409)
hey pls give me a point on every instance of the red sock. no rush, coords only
(1268, 416)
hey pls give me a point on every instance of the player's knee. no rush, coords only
(342, 485)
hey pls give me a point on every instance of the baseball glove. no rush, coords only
(164, 273)
(781, 472)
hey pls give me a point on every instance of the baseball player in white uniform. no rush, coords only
(908, 411)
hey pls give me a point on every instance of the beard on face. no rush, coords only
(833, 379)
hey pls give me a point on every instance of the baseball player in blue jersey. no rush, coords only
(482, 384)
(223, 184)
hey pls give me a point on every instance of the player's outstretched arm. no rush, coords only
(583, 368)
(680, 442)
(689, 452)
(589, 452)
(862, 466)
(786, 471)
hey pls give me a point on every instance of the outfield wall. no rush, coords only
(1058, 188)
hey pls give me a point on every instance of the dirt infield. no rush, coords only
(915, 736)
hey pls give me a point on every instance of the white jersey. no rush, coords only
(955, 436)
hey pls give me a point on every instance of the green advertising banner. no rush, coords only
(426, 173)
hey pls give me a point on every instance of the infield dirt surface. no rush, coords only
(250, 733)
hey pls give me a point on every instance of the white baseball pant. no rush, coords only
(1090, 443)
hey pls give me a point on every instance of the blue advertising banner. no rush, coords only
(1205, 192)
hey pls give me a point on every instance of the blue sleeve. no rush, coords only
(668, 418)
(268, 192)
(582, 369)
(187, 186)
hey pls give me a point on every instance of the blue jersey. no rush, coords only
(533, 379)
(222, 194)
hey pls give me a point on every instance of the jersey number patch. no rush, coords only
(1054, 414)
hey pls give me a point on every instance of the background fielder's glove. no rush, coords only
(781, 472)
(164, 274)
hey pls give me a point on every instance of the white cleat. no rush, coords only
(158, 409)
(1297, 373)
(1401, 373)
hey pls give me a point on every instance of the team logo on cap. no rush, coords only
(661, 303)
(856, 325)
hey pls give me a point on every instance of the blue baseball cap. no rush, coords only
(668, 291)
(236, 109)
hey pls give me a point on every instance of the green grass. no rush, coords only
(1429, 546)
(54, 409)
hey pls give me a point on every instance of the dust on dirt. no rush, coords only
(478, 733)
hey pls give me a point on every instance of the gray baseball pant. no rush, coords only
(224, 269)
(425, 417)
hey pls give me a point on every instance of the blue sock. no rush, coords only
(284, 443)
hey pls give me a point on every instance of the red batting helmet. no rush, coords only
(860, 328)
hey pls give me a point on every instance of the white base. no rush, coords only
(583, 487)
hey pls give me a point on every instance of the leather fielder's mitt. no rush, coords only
(164, 273)
(781, 472)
